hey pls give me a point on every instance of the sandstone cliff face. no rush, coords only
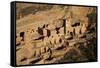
(55, 34)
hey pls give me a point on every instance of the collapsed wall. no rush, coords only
(61, 34)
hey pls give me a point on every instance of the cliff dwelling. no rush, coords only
(47, 34)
